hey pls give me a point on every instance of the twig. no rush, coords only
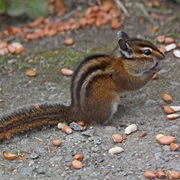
(67, 15)
(121, 6)
(38, 139)
(141, 7)
(172, 29)
(48, 148)
(106, 173)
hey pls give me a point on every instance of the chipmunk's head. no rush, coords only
(139, 55)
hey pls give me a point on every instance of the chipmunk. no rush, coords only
(95, 88)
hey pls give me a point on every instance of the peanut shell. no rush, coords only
(160, 174)
(174, 147)
(56, 142)
(9, 155)
(77, 164)
(149, 174)
(79, 157)
(167, 98)
(117, 138)
(166, 140)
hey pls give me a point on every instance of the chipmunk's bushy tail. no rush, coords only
(32, 117)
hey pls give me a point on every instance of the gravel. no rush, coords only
(143, 107)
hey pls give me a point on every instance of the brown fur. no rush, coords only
(96, 85)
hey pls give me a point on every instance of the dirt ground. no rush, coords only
(143, 107)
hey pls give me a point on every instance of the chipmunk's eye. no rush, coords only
(147, 52)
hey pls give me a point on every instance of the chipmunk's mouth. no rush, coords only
(156, 67)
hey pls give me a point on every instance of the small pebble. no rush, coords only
(76, 126)
(89, 132)
(173, 128)
(40, 171)
(34, 155)
(97, 141)
(110, 128)
(162, 71)
(100, 159)
(12, 61)
(28, 170)
(166, 148)
(48, 174)
(150, 102)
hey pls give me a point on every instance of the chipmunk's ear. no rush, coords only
(122, 35)
(125, 49)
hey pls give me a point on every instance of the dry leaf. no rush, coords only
(22, 156)
(154, 29)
